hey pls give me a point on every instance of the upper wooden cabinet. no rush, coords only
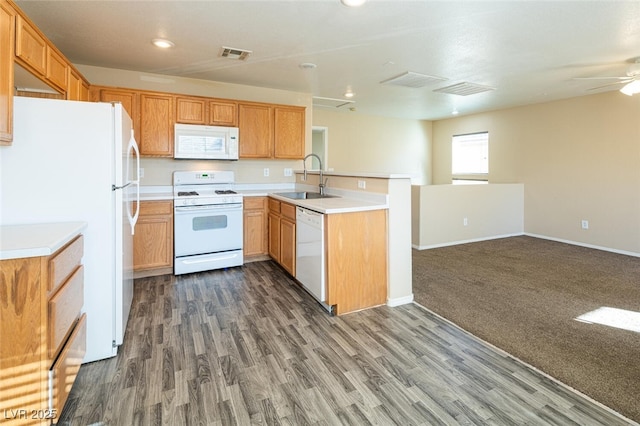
(23, 44)
(212, 112)
(57, 70)
(7, 43)
(266, 130)
(78, 89)
(271, 131)
(152, 114)
(223, 113)
(256, 130)
(288, 132)
(31, 47)
(190, 110)
(156, 125)
(128, 98)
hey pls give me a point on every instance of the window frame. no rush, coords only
(470, 177)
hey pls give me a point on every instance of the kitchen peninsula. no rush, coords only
(390, 193)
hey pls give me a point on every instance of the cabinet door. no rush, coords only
(289, 132)
(223, 113)
(256, 130)
(190, 110)
(153, 240)
(129, 101)
(7, 34)
(74, 86)
(288, 245)
(274, 236)
(156, 125)
(255, 226)
(356, 260)
(31, 48)
(57, 69)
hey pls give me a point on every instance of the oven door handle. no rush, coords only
(216, 207)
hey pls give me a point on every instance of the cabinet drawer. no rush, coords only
(63, 373)
(254, 203)
(274, 205)
(288, 211)
(148, 208)
(64, 308)
(65, 263)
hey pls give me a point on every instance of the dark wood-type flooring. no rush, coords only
(248, 346)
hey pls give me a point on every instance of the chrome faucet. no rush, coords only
(304, 164)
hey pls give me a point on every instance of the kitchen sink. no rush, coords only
(304, 195)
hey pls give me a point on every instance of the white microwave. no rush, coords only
(194, 141)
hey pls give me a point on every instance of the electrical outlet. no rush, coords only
(585, 224)
(266, 172)
(288, 171)
(141, 172)
(362, 184)
(465, 222)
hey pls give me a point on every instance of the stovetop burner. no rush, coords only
(186, 193)
(225, 191)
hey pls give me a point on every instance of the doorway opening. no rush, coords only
(319, 146)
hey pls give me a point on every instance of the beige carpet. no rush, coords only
(522, 294)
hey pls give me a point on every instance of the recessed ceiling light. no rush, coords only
(349, 94)
(353, 3)
(307, 66)
(162, 43)
(454, 112)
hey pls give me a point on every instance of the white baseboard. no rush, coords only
(392, 303)
(544, 237)
(474, 240)
(576, 243)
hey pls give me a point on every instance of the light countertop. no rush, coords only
(334, 205)
(38, 239)
(347, 201)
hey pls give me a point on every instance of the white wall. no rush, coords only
(491, 211)
(579, 159)
(373, 144)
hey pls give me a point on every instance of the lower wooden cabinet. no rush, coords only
(43, 333)
(282, 234)
(356, 260)
(288, 237)
(255, 228)
(153, 239)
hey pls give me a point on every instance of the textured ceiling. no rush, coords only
(528, 51)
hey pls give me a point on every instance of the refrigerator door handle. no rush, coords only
(133, 218)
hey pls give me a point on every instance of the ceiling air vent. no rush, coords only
(330, 102)
(464, 89)
(233, 53)
(412, 79)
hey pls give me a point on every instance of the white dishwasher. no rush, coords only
(310, 251)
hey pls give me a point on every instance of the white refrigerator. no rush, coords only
(79, 161)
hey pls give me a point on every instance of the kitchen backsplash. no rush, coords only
(158, 171)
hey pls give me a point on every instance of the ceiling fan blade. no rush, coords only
(602, 78)
(611, 84)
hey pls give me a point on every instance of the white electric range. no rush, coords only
(208, 229)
